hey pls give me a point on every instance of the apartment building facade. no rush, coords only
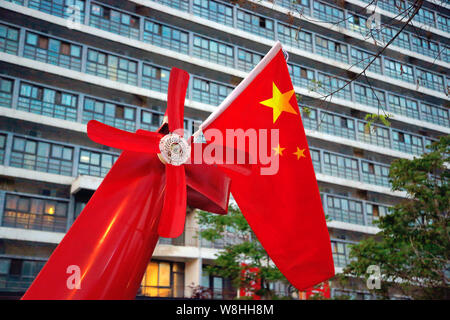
(65, 62)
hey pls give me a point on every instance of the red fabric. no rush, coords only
(284, 210)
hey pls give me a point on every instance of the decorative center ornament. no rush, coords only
(175, 150)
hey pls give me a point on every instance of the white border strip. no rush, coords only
(242, 85)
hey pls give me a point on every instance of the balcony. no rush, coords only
(78, 107)
(122, 69)
(255, 24)
(332, 49)
(398, 70)
(214, 51)
(112, 67)
(53, 51)
(113, 20)
(63, 9)
(291, 36)
(166, 36)
(247, 60)
(430, 80)
(329, 85)
(328, 13)
(299, 6)
(47, 101)
(295, 38)
(209, 92)
(9, 39)
(214, 11)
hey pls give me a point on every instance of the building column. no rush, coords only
(192, 275)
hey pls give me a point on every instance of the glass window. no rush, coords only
(32, 39)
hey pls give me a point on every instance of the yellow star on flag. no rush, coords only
(300, 153)
(279, 102)
(278, 150)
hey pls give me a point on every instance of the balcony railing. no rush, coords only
(222, 12)
(57, 103)
(296, 38)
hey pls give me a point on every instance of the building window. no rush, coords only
(328, 84)
(425, 16)
(362, 58)
(53, 51)
(255, 24)
(155, 78)
(430, 80)
(399, 70)
(17, 274)
(121, 117)
(443, 23)
(95, 163)
(375, 173)
(302, 76)
(9, 39)
(111, 67)
(60, 8)
(404, 106)
(374, 212)
(435, 114)
(41, 156)
(247, 60)
(151, 121)
(331, 49)
(340, 166)
(2, 148)
(48, 102)
(6, 87)
(163, 279)
(345, 210)
(166, 37)
(328, 13)
(374, 135)
(315, 157)
(295, 37)
(407, 142)
(213, 10)
(337, 125)
(341, 253)
(425, 46)
(402, 40)
(214, 51)
(209, 92)
(114, 21)
(35, 213)
(368, 95)
(79, 206)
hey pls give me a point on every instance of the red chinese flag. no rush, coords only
(283, 207)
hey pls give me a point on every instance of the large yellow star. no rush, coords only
(279, 102)
(300, 153)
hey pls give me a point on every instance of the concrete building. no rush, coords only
(65, 62)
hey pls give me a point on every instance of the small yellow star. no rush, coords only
(279, 102)
(278, 150)
(300, 153)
